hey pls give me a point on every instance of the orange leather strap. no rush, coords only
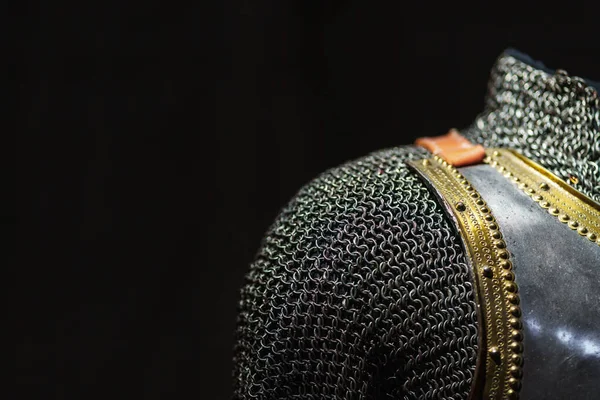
(454, 148)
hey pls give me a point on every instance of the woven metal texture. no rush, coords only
(554, 119)
(361, 290)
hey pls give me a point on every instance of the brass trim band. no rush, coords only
(568, 205)
(499, 366)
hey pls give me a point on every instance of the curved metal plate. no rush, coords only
(498, 371)
(558, 274)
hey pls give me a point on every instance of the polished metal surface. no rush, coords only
(558, 274)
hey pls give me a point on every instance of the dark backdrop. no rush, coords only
(160, 142)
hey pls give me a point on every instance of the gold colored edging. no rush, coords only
(499, 366)
(568, 205)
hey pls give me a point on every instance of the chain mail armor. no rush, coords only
(361, 289)
(553, 119)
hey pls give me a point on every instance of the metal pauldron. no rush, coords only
(533, 243)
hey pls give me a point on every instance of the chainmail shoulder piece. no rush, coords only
(361, 290)
(553, 119)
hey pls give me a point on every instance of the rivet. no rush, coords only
(544, 186)
(474, 195)
(500, 244)
(496, 234)
(501, 169)
(463, 182)
(479, 202)
(530, 191)
(592, 236)
(516, 179)
(514, 383)
(522, 186)
(484, 210)
(582, 230)
(512, 394)
(496, 153)
(506, 264)
(516, 359)
(537, 197)
(469, 188)
(495, 354)
(487, 271)
(516, 371)
(512, 298)
(544, 204)
(516, 335)
(573, 224)
(509, 276)
(489, 217)
(493, 226)
(563, 218)
(510, 287)
(503, 254)
(514, 310)
(426, 163)
(515, 323)
(553, 210)
(516, 347)
(460, 206)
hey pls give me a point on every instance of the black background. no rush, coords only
(161, 141)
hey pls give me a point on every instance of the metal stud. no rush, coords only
(516, 335)
(514, 383)
(510, 287)
(515, 323)
(495, 355)
(509, 276)
(516, 347)
(573, 224)
(487, 272)
(582, 230)
(516, 371)
(503, 254)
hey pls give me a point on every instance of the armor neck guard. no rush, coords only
(550, 117)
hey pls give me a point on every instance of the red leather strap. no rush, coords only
(454, 148)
